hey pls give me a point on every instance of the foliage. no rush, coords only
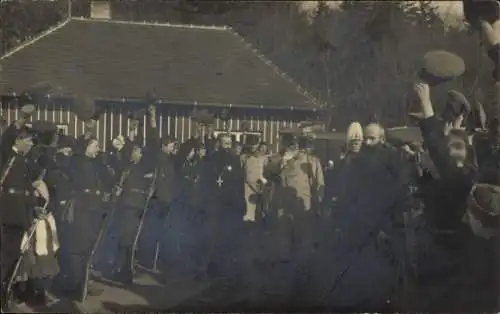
(360, 57)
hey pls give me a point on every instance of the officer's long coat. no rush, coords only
(301, 185)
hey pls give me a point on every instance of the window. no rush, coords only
(237, 136)
(62, 128)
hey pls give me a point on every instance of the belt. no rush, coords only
(13, 191)
(138, 191)
(89, 191)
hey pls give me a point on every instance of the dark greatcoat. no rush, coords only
(16, 210)
(132, 202)
(91, 180)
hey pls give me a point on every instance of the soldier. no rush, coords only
(449, 192)
(253, 168)
(17, 204)
(237, 148)
(60, 188)
(11, 132)
(163, 156)
(92, 183)
(134, 195)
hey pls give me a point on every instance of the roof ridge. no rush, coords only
(35, 39)
(277, 70)
(145, 23)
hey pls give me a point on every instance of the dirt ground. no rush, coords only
(147, 294)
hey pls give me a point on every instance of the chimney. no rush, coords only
(100, 10)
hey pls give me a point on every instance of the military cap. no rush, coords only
(138, 114)
(45, 132)
(85, 109)
(225, 114)
(65, 141)
(165, 140)
(305, 142)
(456, 104)
(439, 66)
(28, 110)
(483, 206)
(202, 116)
(251, 139)
(289, 139)
(487, 10)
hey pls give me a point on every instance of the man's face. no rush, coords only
(373, 135)
(170, 148)
(263, 149)
(226, 142)
(457, 148)
(92, 148)
(202, 152)
(118, 144)
(66, 151)
(136, 154)
(238, 149)
(24, 145)
(90, 124)
(355, 145)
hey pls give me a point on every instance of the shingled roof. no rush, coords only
(181, 63)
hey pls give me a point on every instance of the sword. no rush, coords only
(24, 248)
(141, 221)
(5, 173)
(106, 217)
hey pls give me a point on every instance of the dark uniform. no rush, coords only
(91, 182)
(61, 189)
(16, 212)
(129, 210)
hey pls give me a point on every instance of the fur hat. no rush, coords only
(354, 132)
(483, 210)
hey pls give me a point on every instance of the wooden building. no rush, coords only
(117, 63)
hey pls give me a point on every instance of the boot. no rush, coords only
(124, 273)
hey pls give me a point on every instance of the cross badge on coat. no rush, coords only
(219, 181)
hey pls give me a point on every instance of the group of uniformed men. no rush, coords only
(336, 238)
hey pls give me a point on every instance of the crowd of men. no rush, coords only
(337, 237)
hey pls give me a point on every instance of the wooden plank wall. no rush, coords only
(174, 121)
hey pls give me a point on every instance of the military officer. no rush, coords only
(92, 182)
(10, 133)
(60, 187)
(17, 202)
(130, 208)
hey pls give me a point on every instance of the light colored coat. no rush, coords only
(253, 167)
(302, 184)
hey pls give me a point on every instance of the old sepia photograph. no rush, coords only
(201, 156)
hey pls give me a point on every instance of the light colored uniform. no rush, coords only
(302, 175)
(253, 167)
